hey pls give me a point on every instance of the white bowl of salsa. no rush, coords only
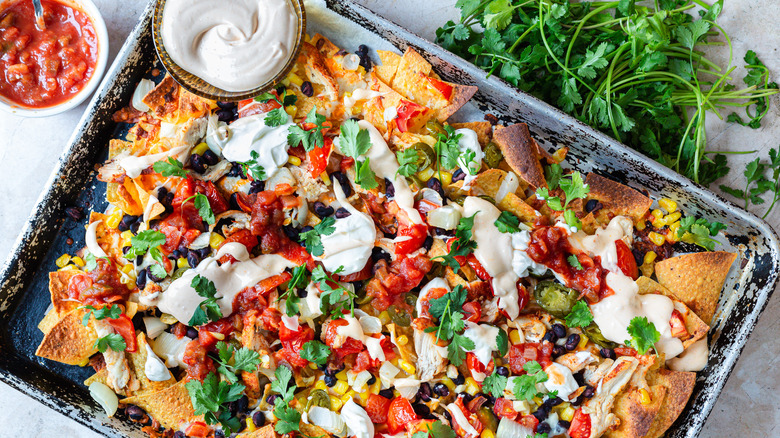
(49, 71)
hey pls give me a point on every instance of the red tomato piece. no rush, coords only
(417, 234)
(520, 354)
(292, 342)
(442, 87)
(198, 429)
(678, 325)
(205, 337)
(480, 270)
(124, 326)
(318, 158)
(250, 107)
(529, 421)
(377, 408)
(216, 201)
(625, 351)
(473, 311)
(626, 260)
(406, 112)
(400, 414)
(505, 408)
(580, 425)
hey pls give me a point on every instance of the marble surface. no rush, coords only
(748, 403)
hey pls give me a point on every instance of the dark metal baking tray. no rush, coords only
(24, 295)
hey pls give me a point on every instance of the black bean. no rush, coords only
(204, 252)
(342, 212)
(389, 189)
(322, 210)
(378, 254)
(564, 424)
(307, 89)
(219, 434)
(126, 221)
(579, 378)
(197, 163)
(448, 417)
(559, 330)
(291, 232)
(558, 350)
(302, 293)
(183, 250)
(387, 393)
(543, 428)
(179, 434)
(175, 255)
(193, 258)
(137, 224)
(346, 187)
(233, 201)
(459, 380)
(226, 105)
(589, 391)
(139, 259)
(639, 256)
(192, 333)
(210, 157)
(243, 404)
(502, 371)
(236, 171)
(425, 392)
(225, 115)
(441, 390)
(458, 175)
(75, 213)
(271, 399)
(421, 410)
(258, 418)
(553, 401)
(466, 397)
(135, 413)
(330, 380)
(541, 414)
(608, 353)
(435, 184)
(550, 336)
(441, 231)
(365, 60)
(428, 243)
(572, 341)
(306, 228)
(140, 280)
(153, 277)
(372, 380)
(593, 205)
(256, 187)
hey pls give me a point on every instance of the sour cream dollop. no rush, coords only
(236, 45)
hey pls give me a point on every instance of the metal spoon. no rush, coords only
(39, 15)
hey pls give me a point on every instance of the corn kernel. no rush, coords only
(425, 174)
(218, 335)
(84, 362)
(295, 161)
(673, 217)
(402, 340)
(200, 149)
(250, 425)
(472, 387)
(668, 205)
(295, 79)
(650, 257)
(131, 309)
(169, 319)
(78, 261)
(342, 375)
(321, 385)
(566, 414)
(407, 366)
(313, 365)
(113, 220)
(583, 341)
(349, 395)
(62, 261)
(67, 268)
(364, 395)
(656, 238)
(446, 178)
(487, 433)
(448, 383)
(127, 269)
(658, 214)
(641, 225)
(671, 236)
(376, 387)
(215, 240)
(340, 387)
(514, 336)
(181, 262)
(537, 400)
(291, 109)
(335, 404)
(325, 178)
(644, 397)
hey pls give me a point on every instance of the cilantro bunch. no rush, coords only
(632, 71)
(448, 310)
(462, 245)
(572, 186)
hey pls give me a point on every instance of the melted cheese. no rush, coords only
(484, 337)
(249, 134)
(358, 422)
(560, 378)
(522, 263)
(133, 166)
(436, 283)
(181, 300)
(494, 252)
(383, 162)
(360, 94)
(694, 358)
(602, 242)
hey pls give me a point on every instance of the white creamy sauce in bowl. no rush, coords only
(236, 45)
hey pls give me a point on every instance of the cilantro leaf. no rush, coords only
(211, 397)
(502, 342)
(337, 298)
(172, 167)
(281, 385)
(580, 315)
(253, 168)
(525, 385)
(507, 223)
(448, 310)
(643, 334)
(143, 241)
(312, 239)
(553, 202)
(309, 138)
(574, 262)
(243, 359)
(289, 419)
(553, 174)
(91, 261)
(364, 176)
(315, 351)
(408, 161)
(447, 148)
(574, 187)
(353, 141)
(572, 220)
(209, 309)
(112, 311)
(436, 430)
(462, 245)
(456, 351)
(299, 278)
(494, 384)
(204, 208)
(113, 341)
(276, 117)
(698, 231)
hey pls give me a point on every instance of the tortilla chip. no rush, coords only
(636, 418)
(58, 288)
(144, 196)
(68, 341)
(460, 95)
(269, 432)
(137, 362)
(386, 71)
(100, 376)
(116, 147)
(192, 106)
(679, 386)
(49, 320)
(163, 100)
(170, 406)
(696, 279)
(484, 130)
(411, 68)
(316, 70)
(617, 199)
(110, 239)
(324, 45)
(453, 279)
(489, 182)
(697, 329)
(516, 145)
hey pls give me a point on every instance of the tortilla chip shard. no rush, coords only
(266, 432)
(69, 341)
(636, 417)
(519, 152)
(696, 328)
(58, 288)
(679, 386)
(617, 199)
(696, 279)
(170, 406)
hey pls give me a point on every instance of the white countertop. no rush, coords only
(748, 404)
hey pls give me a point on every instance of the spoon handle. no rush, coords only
(39, 14)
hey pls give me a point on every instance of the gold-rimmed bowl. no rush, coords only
(200, 87)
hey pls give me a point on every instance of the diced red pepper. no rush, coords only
(442, 87)
(124, 326)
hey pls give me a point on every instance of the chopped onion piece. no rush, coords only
(105, 397)
(92, 243)
(143, 88)
(446, 217)
(154, 326)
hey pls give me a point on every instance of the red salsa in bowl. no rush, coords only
(43, 68)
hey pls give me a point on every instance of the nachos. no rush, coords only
(335, 258)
